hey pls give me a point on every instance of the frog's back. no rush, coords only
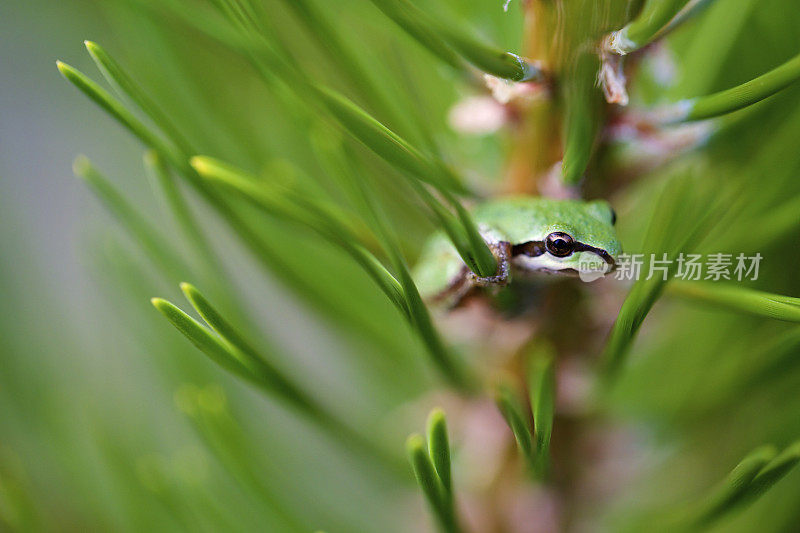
(517, 217)
(524, 218)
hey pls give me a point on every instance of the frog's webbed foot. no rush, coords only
(502, 252)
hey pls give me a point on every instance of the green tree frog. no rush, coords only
(526, 234)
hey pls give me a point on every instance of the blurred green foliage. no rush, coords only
(110, 420)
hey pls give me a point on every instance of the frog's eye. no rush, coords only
(559, 244)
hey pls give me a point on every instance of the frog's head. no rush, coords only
(578, 238)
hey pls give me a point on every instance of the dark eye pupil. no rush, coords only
(559, 244)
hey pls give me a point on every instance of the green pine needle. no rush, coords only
(428, 468)
(443, 37)
(735, 298)
(341, 161)
(654, 17)
(114, 108)
(409, 19)
(331, 41)
(671, 230)
(237, 356)
(734, 488)
(775, 470)
(319, 219)
(250, 366)
(733, 99)
(384, 142)
(541, 386)
(124, 84)
(690, 10)
(402, 293)
(581, 135)
(511, 409)
(356, 121)
(486, 57)
(212, 346)
(439, 447)
(751, 478)
(739, 97)
(254, 360)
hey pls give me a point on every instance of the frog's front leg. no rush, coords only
(502, 252)
(466, 280)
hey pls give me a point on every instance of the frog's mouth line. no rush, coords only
(537, 248)
(568, 272)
